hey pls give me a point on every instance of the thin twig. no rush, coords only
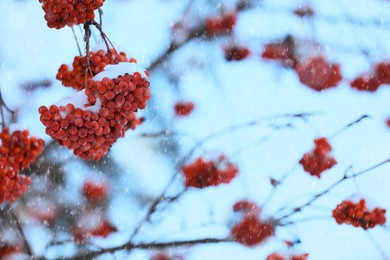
(77, 42)
(161, 245)
(25, 242)
(331, 187)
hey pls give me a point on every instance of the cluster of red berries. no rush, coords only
(318, 160)
(17, 152)
(358, 215)
(9, 251)
(89, 133)
(372, 81)
(251, 230)
(61, 13)
(221, 25)
(313, 70)
(276, 256)
(184, 108)
(95, 191)
(92, 224)
(202, 174)
(236, 53)
(75, 78)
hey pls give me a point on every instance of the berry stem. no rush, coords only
(77, 42)
(106, 40)
(87, 37)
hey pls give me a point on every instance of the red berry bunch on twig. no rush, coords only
(75, 78)
(371, 81)
(61, 13)
(251, 230)
(105, 111)
(202, 174)
(17, 152)
(358, 215)
(318, 160)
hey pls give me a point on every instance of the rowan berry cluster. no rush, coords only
(251, 230)
(373, 80)
(184, 108)
(276, 256)
(112, 98)
(312, 68)
(92, 224)
(236, 53)
(318, 160)
(201, 174)
(17, 152)
(95, 191)
(358, 215)
(61, 13)
(75, 78)
(223, 24)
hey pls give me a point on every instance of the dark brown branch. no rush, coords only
(161, 245)
(21, 232)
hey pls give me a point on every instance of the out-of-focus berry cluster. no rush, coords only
(17, 152)
(202, 174)
(358, 215)
(251, 230)
(318, 160)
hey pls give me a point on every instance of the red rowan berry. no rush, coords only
(202, 174)
(221, 25)
(318, 74)
(251, 230)
(184, 108)
(317, 161)
(358, 215)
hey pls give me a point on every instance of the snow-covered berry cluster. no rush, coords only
(95, 117)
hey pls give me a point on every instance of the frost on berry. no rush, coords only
(95, 191)
(236, 53)
(204, 173)
(277, 256)
(221, 25)
(317, 73)
(61, 13)
(358, 215)
(318, 160)
(92, 224)
(17, 152)
(105, 109)
(283, 51)
(371, 81)
(184, 108)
